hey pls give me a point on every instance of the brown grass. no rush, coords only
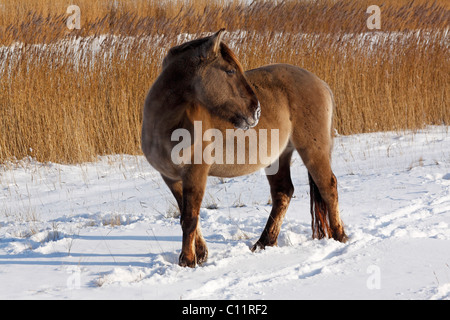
(66, 103)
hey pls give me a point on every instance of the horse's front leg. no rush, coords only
(194, 250)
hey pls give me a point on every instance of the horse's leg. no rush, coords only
(281, 190)
(194, 250)
(176, 186)
(324, 194)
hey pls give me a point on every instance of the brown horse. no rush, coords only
(202, 82)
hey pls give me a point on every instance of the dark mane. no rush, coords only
(225, 51)
(229, 56)
(182, 48)
(188, 46)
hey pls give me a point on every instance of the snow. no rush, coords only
(109, 229)
(91, 49)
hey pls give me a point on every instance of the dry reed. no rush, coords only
(68, 96)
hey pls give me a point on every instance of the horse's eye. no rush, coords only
(230, 72)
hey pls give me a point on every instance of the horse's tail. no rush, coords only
(319, 212)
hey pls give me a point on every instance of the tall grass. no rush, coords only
(68, 96)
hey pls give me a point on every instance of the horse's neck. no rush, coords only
(170, 113)
(174, 108)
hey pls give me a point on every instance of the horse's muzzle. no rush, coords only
(245, 123)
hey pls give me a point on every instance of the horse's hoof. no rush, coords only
(258, 246)
(202, 257)
(184, 262)
(340, 236)
(201, 251)
(343, 238)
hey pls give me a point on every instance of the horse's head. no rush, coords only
(217, 81)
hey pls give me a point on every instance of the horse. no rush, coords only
(202, 81)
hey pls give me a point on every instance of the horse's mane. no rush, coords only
(230, 56)
(177, 50)
(225, 51)
(187, 46)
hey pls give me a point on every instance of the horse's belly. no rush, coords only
(237, 162)
(229, 171)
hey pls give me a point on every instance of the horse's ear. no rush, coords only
(212, 46)
(217, 38)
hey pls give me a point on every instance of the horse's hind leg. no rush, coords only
(281, 190)
(324, 194)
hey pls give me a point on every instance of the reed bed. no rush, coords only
(70, 95)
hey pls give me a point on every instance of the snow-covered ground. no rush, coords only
(107, 229)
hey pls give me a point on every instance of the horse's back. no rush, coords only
(301, 90)
(298, 95)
